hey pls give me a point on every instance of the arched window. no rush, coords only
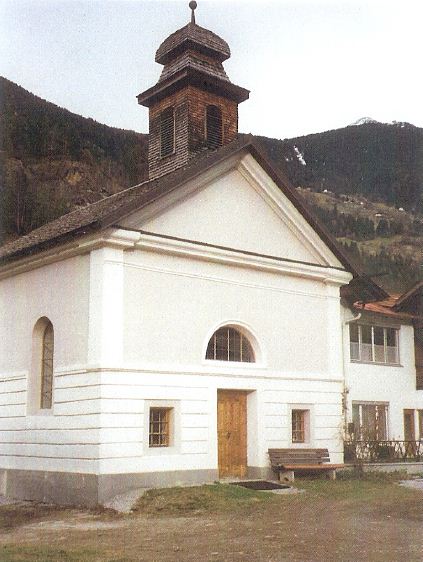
(167, 132)
(47, 351)
(213, 126)
(228, 344)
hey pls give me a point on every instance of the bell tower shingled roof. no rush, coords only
(192, 96)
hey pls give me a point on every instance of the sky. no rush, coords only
(311, 65)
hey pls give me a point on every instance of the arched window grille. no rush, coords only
(167, 132)
(47, 351)
(213, 126)
(228, 344)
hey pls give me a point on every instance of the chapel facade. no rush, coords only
(176, 331)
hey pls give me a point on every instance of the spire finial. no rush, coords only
(192, 5)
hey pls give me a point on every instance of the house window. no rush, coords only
(167, 132)
(213, 126)
(374, 344)
(47, 352)
(420, 422)
(409, 427)
(160, 427)
(300, 425)
(370, 421)
(228, 344)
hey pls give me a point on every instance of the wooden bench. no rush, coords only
(288, 461)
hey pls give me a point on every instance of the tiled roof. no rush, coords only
(385, 307)
(193, 34)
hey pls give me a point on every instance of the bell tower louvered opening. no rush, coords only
(213, 126)
(167, 132)
(194, 106)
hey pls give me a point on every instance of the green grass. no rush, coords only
(208, 498)
(358, 487)
(10, 553)
(45, 554)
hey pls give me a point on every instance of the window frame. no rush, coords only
(34, 403)
(174, 446)
(307, 411)
(47, 368)
(163, 420)
(234, 331)
(360, 434)
(374, 347)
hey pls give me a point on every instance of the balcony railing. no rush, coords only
(368, 451)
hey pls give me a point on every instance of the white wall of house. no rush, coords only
(394, 385)
(64, 438)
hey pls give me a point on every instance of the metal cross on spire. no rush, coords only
(193, 5)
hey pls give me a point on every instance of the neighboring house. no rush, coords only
(175, 331)
(383, 374)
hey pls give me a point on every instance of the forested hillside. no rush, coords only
(380, 161)
(365, 182)
(53, 160)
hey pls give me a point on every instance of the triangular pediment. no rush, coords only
(236, 206)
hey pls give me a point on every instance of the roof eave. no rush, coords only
(193, 77)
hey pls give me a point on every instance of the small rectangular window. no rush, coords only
(160, 427)
(299, 424)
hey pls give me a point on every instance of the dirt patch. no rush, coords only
(341, 521)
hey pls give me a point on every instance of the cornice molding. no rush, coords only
(112, 238)
(326, 274)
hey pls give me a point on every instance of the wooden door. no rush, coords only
(232, 432)
(409, 430)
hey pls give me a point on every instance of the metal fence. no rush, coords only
(368, 451)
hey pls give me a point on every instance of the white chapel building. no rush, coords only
(174, 332)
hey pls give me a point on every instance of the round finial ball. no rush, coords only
(192, 4)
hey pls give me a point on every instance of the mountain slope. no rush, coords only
(380, 161)
(354, 178)
(52, 160)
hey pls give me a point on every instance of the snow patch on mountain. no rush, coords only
(300, 156)
(363, 121)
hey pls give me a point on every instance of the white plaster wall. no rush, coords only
(396, 385)
(230, 212)
(65, 438)
(194, 398)
(173, 305)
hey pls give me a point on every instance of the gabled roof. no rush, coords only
(107, 212)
